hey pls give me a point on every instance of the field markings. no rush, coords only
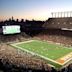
(23, 42)
(51, 42)
(65, 58)
(46, 58)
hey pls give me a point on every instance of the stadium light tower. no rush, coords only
(70, 13)
(52, 14)
(67, 14)
(61, 14)
(55, 14)
(58, 14)
(64, 14)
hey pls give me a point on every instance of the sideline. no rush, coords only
(14, 45)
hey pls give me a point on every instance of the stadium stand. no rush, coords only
(59, 23)
(15, 60)
(13, 38)
(58, 30)
(56, 36)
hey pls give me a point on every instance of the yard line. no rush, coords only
(36, 54)
(24, 42)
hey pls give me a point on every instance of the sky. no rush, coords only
(32, 9)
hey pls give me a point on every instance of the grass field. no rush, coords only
(56, 55)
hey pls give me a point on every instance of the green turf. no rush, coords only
(52, 51)
(46, 49)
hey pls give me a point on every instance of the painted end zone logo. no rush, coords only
(65, 59)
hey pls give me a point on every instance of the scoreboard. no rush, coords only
(11, 29)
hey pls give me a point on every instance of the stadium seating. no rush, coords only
(13, 38)
(14, 60)
(58, 23)
(58, 30)
(56, 36)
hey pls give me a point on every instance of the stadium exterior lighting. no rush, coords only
(61, 14)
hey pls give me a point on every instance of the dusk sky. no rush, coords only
(32, 9)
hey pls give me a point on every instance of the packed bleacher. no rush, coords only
(13, 37)
(58, 23)
(13, 60)
(57, 36)
(58, 30)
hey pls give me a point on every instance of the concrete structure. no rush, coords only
(61, 14)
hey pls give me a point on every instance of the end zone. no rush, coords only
(59, 62)
(65, 59)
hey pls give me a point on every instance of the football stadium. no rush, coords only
(56, 55)
(33, 41)
(36, 45)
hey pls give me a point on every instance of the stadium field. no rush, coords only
(56, 55)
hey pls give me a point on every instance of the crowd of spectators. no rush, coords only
(14, 60)
(13, 37)
(57, 36)
(58, 23)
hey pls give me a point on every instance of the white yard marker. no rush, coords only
(65, 58)
(23, 42)
(33, 53)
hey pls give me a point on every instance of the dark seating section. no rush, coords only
(58, 30)
(58, 23)
(56, 36)
(13, 38)
(14, 60)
